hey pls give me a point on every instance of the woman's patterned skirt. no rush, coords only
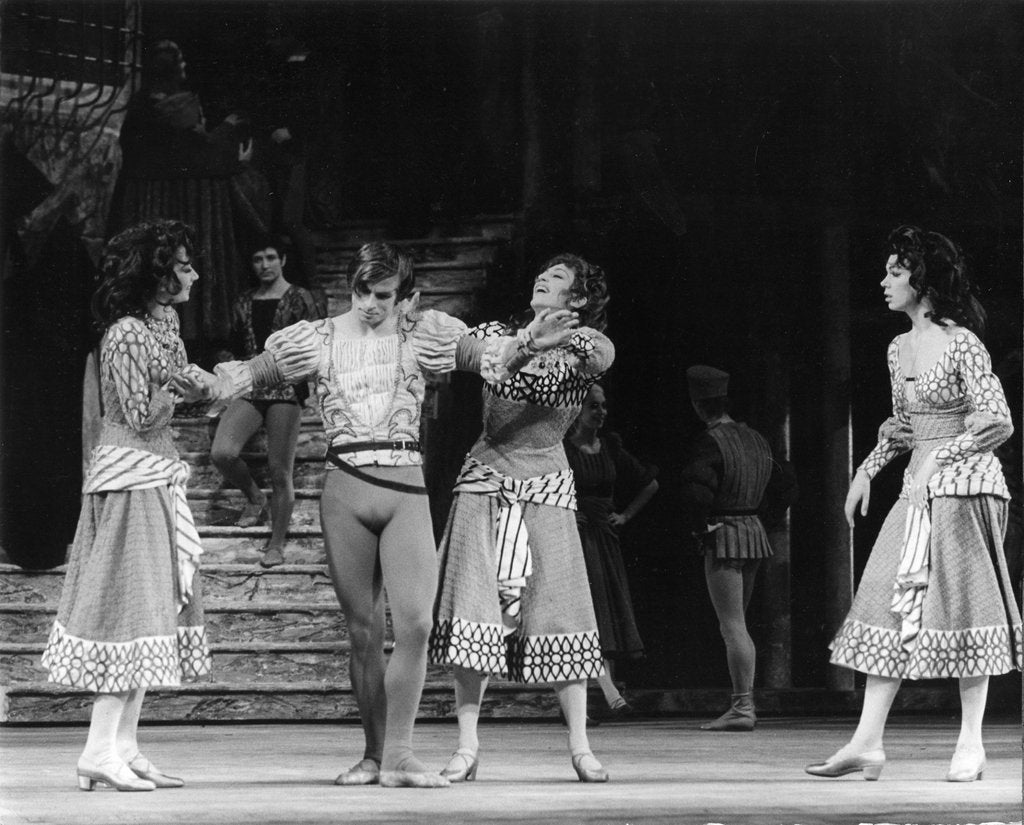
(556, 639)
(118, 627)
(971, 625)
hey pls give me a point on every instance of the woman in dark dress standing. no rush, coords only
(601, 467)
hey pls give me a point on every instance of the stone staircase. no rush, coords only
(278, 638)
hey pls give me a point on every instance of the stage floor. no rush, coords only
(664, 771)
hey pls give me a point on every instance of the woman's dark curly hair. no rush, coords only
(938, 273)
(588, 283)
(136, 264)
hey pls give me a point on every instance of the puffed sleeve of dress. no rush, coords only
(128, 354)
(895, 436)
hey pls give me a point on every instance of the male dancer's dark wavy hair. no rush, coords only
(589, 282)
(938, 272)
(136, 264)
(378, 261)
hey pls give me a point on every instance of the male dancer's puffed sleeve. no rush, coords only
(435, 339)
(291, 355)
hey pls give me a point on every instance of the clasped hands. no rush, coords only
(190, 387)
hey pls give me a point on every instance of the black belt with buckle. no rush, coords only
(360, 446)
(334, 452)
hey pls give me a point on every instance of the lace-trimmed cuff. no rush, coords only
(502, 356)
(435, 338)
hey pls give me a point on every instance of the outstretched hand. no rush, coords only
(245, 151)
(552, 327)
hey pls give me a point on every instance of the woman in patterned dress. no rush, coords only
(935, 599)
(368, 368)
(130, 615)
(602, 470)
(514, 599)
(273, 305)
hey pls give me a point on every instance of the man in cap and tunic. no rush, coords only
(726, 474)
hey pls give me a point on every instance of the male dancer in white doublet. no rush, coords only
(368, 368)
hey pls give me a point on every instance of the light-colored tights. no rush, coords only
(376, 540)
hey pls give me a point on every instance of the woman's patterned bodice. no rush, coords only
(526, 416)
(134, 353)
(957, 410)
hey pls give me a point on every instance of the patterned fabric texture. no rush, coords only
(525, 419)
(959, 404)
(970, 623)
(556, 638)
(118, 623)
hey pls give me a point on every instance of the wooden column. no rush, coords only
(837, 591)
(776, 657)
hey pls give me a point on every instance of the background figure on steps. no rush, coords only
(368, 368)
(176, 167)
(269, 307)
(603, 470)
(130, 614)
(726, 474)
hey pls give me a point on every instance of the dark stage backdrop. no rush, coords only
(736, 167)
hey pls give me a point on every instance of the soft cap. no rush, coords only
(707, 382)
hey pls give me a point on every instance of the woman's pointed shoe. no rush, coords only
(462, 766)
(870, 762)
(145, 769)
(113, 773)
(966, 766)
(585, 774)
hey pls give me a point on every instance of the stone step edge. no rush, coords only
(335, 290)
(202, 688)
(328, 271)
(211, 567)
(213, 607)
(203, 493)
(196, 455)
(444, 240)
(229, 530)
